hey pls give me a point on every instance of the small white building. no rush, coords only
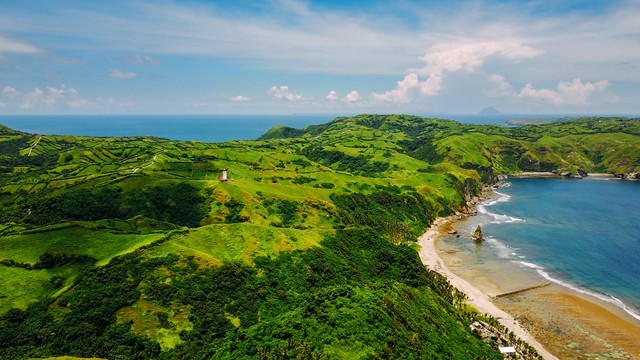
(507, 351)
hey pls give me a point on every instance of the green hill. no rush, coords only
(134, 248)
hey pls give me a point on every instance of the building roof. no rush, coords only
(507, 350)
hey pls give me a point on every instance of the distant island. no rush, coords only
(538, 121)
(489, 111)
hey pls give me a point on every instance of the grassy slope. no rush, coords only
(443, 161)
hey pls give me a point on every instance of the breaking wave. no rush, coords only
(503, 251)
(497, 218)
(604, 297)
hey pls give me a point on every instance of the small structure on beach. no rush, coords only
(507, 351)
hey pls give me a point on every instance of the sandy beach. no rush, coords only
(476, 298)
(557, 321)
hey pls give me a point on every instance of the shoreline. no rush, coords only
(549, 174)
(553, 319)
(475, 297)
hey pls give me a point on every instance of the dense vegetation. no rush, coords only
(132, 248)
(180, 204)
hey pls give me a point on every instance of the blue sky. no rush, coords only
(289, 56)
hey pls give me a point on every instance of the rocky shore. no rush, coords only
(579, 174)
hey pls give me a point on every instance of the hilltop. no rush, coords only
(133, 247)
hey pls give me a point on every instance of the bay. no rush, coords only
(582, 234)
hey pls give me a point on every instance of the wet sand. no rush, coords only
(429, 254)
(567, 324)
(574, 326)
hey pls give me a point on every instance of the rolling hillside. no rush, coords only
(134, 248)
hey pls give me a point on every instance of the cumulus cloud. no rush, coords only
(567, 93)
(9, 91)
(500, 86)
(402, 92)
(49, 98)
(283, 93)
(240, 98)
(115, 73)
(332, 96)
(449, 58)
(352, 97)
(500, 82)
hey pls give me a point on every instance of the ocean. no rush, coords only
(581, 234)
(206, 128)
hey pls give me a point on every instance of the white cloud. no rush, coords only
(77, 103)
(283, 93)
(10, 91)
(500, 82)
(402, 92)
(115, 73)
(568, 92)
(139, 59)
(332, 96)
(107, 101)
(459, 45)
(499, 86)
(284, 34)
(469, 57)
(13, 46)
(352, 97)
(240, 98)
(49, 99)
(34, 98)
(466, 56)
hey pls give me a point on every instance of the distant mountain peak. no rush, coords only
(489, 111)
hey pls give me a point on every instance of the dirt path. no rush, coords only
(34, 145)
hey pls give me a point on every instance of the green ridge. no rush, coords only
(133, 247)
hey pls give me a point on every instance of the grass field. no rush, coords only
(216, 244)
(21, 287)
(100, 244)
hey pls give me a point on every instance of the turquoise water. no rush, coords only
(583, 234)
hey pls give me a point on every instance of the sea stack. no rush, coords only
(477, 235)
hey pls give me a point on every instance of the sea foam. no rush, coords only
(503, 251)
(497, 218)
(604, 297)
